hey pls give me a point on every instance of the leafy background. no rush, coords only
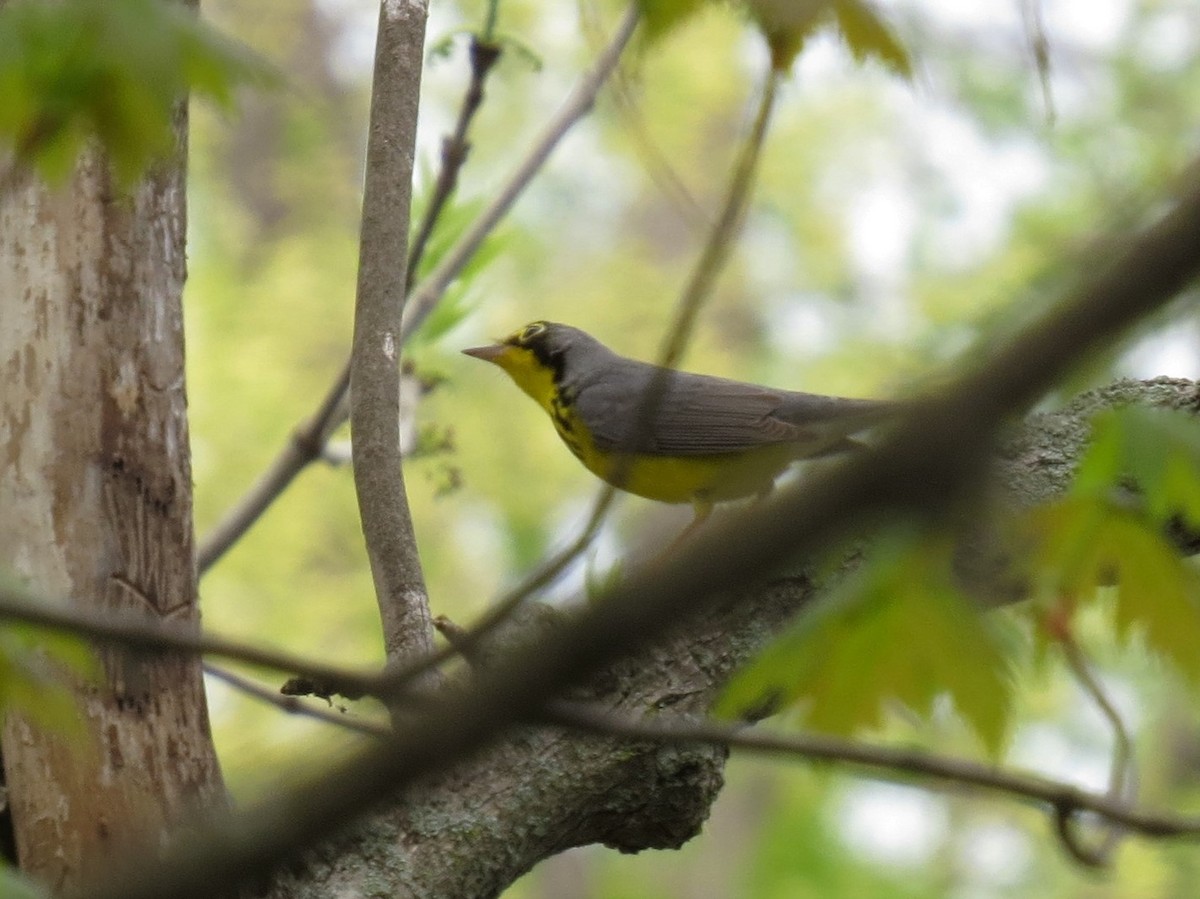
(894, 222)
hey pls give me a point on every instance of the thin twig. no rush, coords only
(483, 55)
(396, 680)
(658, 167)
(293, 705)
(891, 763)
(723, 235)
(1039, 47)
(138, 632)
(578, 103)
(718, 245)
(305, 446)
(1121, 777)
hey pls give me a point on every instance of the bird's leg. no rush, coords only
(703, 509)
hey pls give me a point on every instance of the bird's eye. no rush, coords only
(531, 331)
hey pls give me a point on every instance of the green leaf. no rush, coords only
(660, 17)
(460, 299)
(787, 25)
(35, 668)
(869, 37)
(1084, 543)
(112, 70)
(1158, 449)
(14, 886)
(899, 632)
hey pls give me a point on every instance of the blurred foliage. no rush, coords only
(788, 24)
(34, 666)
(881, 638)
(14, 886)
(1140, 474)
(109, 69)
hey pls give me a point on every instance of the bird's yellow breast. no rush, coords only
(667, 479)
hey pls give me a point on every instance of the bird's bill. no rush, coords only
(487, 353)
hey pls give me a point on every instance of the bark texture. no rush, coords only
(96, 493)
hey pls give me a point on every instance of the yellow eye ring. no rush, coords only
(531, 331)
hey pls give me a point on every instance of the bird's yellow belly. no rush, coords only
(684, 479)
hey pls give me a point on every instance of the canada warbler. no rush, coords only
(706, 439)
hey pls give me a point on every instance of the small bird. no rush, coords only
(706, 440)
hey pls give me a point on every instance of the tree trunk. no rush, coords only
(96, 493)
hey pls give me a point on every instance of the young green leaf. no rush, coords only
(33, 668)
(1157, 450)
(659, 17)
(869, 37)
(113, 70)
(899, 632)
(787, 25)
(1083, 543)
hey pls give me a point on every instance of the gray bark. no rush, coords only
(96, 500)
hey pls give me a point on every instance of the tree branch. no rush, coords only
(374, 360)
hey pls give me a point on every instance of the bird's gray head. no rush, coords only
(565, 350)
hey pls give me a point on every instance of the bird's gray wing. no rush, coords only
(703, 415)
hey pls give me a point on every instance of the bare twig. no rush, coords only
(484, 56)
(306, 444)
(1039, 47)
(396, 679)
(658, 166)
(887, 762)
(18, 604)
(718, 244)
(374, 359)
(295, 706)
(1121, 785)
(723, 234)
